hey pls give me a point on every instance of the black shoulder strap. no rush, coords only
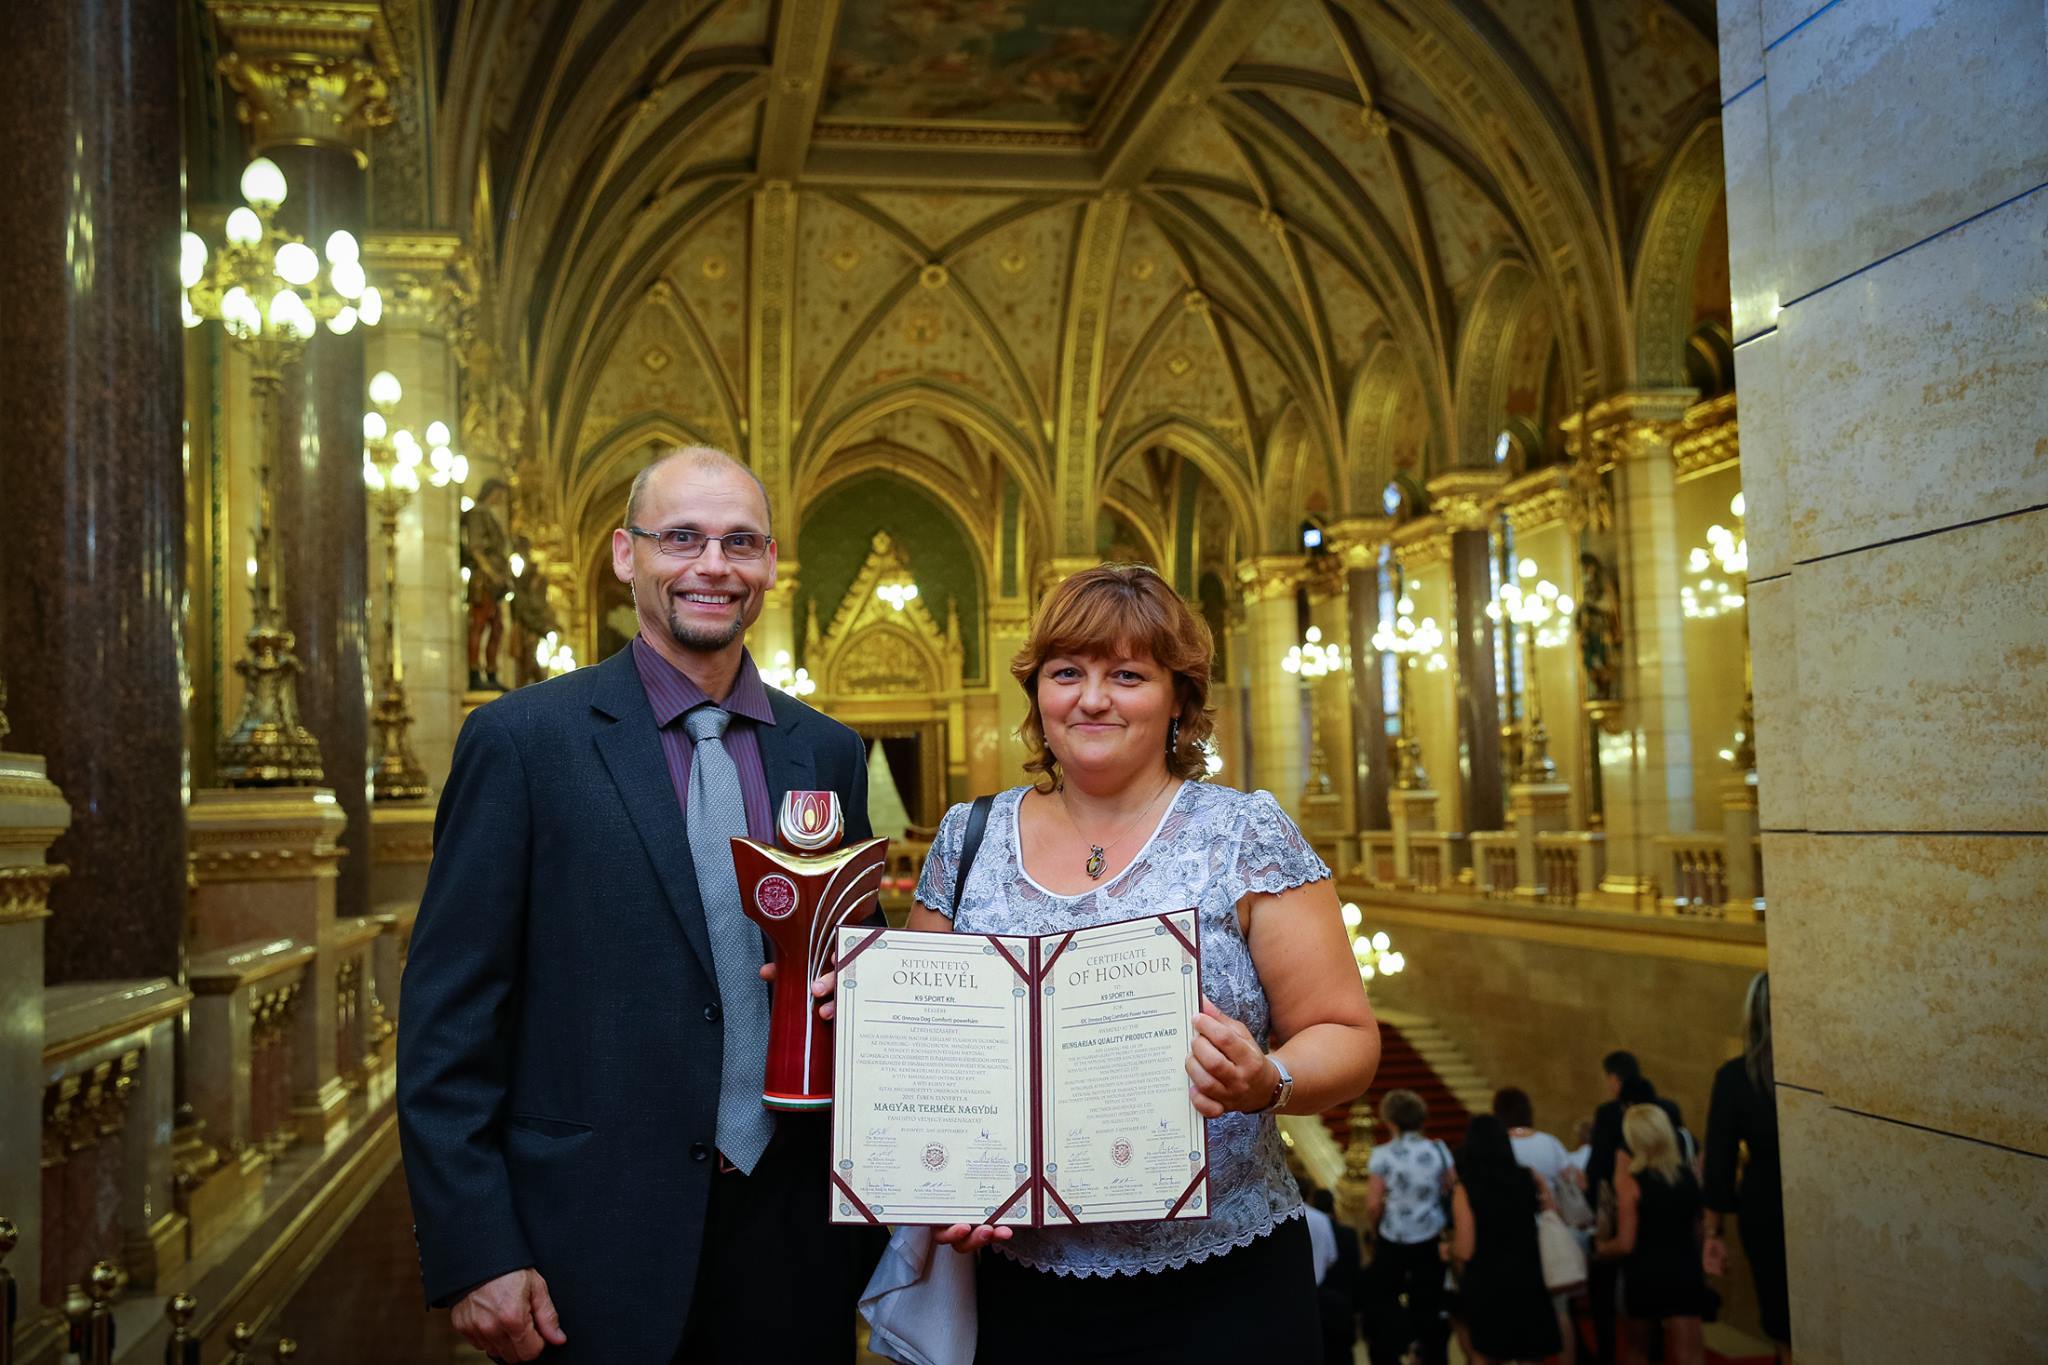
(977, 825)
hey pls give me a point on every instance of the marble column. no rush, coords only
(1009, 626)
(91, 472)
(310, 88)
(1275, 724)
(1464, 498)
(1359, 540)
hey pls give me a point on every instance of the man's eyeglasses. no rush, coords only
(687, 544)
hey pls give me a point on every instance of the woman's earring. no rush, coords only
(1173, 737)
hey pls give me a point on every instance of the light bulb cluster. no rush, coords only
(1312, 658)
(266, 285)
(1541, 606)
(1374, 953)
(1423, 640)
(1726, 550)
(898, 593)
(553, 655)
(393, 460)
(784, 676)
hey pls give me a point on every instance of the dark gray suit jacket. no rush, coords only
(559, 1032)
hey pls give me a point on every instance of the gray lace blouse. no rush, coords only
(1213, 847)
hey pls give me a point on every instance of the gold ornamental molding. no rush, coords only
(1709, 438)
(25, 891)
(1422, 543)
(1465, 498)
(1540, 498)
(417, 273)
(264, 834)
(1358, 540)
(401, 834)
(1269, 576)
(308, 75)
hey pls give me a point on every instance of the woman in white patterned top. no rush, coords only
(1116, 826)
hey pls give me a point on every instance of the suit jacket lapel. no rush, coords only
(630, 745)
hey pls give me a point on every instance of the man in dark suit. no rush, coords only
(581, 1042)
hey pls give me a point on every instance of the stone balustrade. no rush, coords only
(1493, 862)
(1436, 857)
(1571, 863)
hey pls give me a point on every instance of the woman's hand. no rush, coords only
(821, 990)
(1230, 1072)
(970, 1237)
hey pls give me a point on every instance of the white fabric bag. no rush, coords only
(1564, 1262)
(920, 1301)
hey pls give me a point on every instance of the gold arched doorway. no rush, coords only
(885, 667)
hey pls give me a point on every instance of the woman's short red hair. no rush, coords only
(1124, 611)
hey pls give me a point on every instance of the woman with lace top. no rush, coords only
(1116, 825)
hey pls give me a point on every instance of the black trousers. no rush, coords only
(776, 1281)
(1416, 1270)
(1254, 1303)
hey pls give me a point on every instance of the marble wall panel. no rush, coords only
(1918, 1245)
(1754, 283)
(1922, 386)
(1767, 450)
(1742, 45)
(1878, 948)
(1774, 668)
(1776, 18)
(1922, 691)
(1894, 119)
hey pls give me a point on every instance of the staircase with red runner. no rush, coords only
(1402, 1067)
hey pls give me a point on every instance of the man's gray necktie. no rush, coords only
(717, 814)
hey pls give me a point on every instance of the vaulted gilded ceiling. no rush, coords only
(1299, 245)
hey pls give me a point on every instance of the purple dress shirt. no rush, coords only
(670, 694)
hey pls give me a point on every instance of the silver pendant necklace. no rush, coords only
(1097, 860)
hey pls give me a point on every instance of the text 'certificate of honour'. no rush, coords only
(931, 1122)
(1122, 1139)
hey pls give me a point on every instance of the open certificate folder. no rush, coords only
(1033, 1081)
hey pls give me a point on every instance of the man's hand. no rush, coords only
(821, 989)
(509, 1318)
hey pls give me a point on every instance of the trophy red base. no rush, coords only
(800, 893)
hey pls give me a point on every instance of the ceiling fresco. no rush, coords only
(1003, 62)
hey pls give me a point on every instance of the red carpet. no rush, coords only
(1402, 1068)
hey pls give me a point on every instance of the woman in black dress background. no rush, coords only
(1503, 1301)
(1657, 1233)
(1742, 1131)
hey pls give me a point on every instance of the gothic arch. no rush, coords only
(1673, 230)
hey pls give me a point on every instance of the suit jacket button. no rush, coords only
(712, 1013)
(699, 1152)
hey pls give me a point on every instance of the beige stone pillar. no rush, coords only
(414, 269)
(32, 814)
(1358, 542)
(1740, 826)
(1329, 812)
(1277, 734)
(1646, 758)
(265, 861)
(1411, 809)
(772, 638)
(402, 846)
(1009, 626)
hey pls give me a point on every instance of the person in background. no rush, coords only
(1335, 1248)
(1742, 1119)
(1657, 1240)
(1623, 1076)
(1504, 1304)
(1544, 1155)
(1404, 1206)
(1582, 1144)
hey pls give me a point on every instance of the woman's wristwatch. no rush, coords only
(1283, 1089)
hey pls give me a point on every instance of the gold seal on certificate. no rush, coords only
(1010, 1079)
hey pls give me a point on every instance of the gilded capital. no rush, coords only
(1358, 540)
(308, 75)
(1270, 576)
(416, 272)
(1466, 498)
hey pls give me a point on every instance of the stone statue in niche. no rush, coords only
(487, 557)
(533, 616)
(1598, 623)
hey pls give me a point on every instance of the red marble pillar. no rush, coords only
(322, 518)
(92, 497)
